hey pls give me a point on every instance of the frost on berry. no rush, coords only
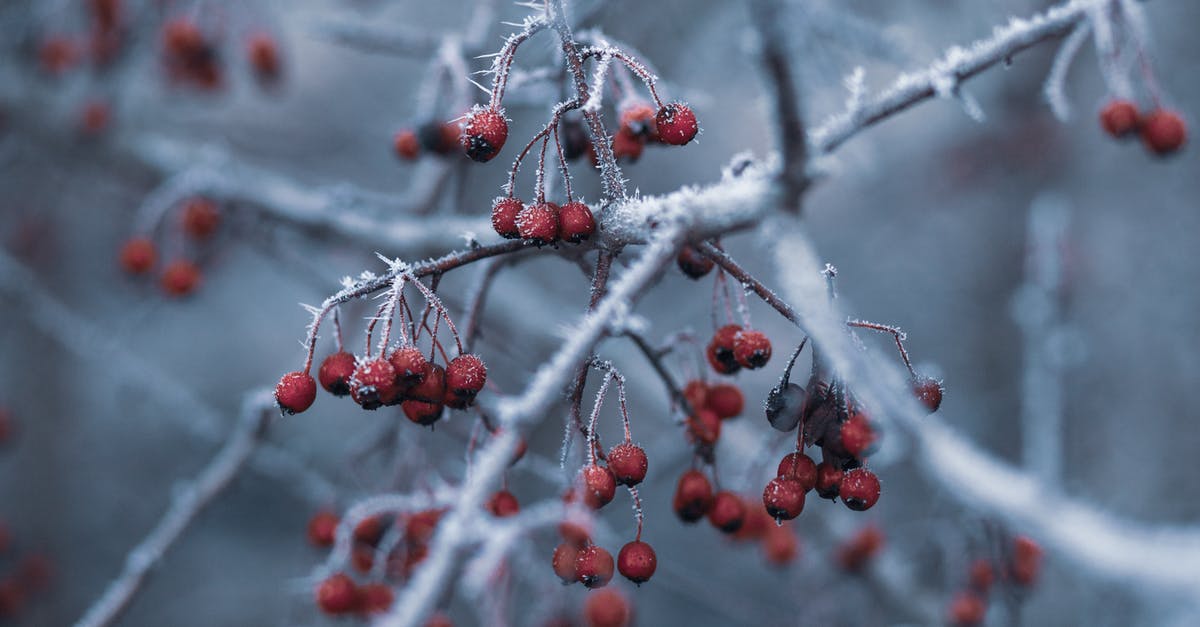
(627, 462)
(465, 376)
(335, 373)
(859, 489)
(594, 566)
(484, 133)
(373, 384)
(676, 124)
(138, 255)
(1164, 132)
(575, 222)
(929, 391)
(1119, 118)
(295, 392)
(504, 216)
(410, 366)
(693, 496)
(599, 486)
(783, 498)
(637, 562)
(538, 223)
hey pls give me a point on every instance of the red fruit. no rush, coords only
(594, 566)
(440, 138)
(859, 549)
(362, 557)
(419, 528)
(200, 218)
(800, 467)
(432, 388)
(728, 512)
(692, 263)
(693, 496)
(264, 57)
(780, 545)
(484, 133)
(751, 349)
(575, 534)
(726, 400)
(784, 498)
(465, 376)
(439, 620)
(720, 350)
(829, 480)
(967, 609)
(373, 384)
(56, 55)
(335, 373)
(182, 38)
(859, 489)
(504, 216)
(627, 462)
(370, 530)
(295, 392)
(563, 562)
(696, 393)
(599, 486)
(857, 436)
(637, 562)
(503, 504)
(606, 608)
(626, 146)
(929, 391)
(322, 528)
(138, 255)
(180, 278)
(1119, 118)
(754, 527)
(106, 13)
(676, 124)
(337, 594)
(539, 223)
(410, 366)
(981, 575)
(406, 144)
(376, 598)
(423, 413)
(1163, 132)
(638, 120)
(1026, 560)
(575, 222)
(703, 428)
(94, 117)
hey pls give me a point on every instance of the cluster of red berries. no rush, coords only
(58, 53)
(735, 346)
(422, 387)
(969, 607)
(200, 218)
(433, 137)
(191, 56)
(29, 577)
(1163, 131)
(542, 222)
(672, 124)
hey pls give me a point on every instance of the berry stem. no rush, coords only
(656, 362)
(591, 428)
(337, 329)
(896, 333)
(638, 514)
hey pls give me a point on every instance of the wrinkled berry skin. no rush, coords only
(484, 134)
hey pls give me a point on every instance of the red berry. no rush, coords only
(693, 496)
(703, 428)
(410, 366)
(439, 619)
(1119, 118)
(465, 376)
(337, 594)
(967, 609)
(504, 216)
(335, 373)
(432, 387)
(627, 462)
(376, 598)
(56, 55)
(859, 489)
(370, 530)
(419, 528)
(696, 393)
(574, 533)
(406, 144)
(800, 467)
(423, 413)
(594, 566)
(860, 548)
(981, 575)
(751, 349)
(637, 562)
(720, 350)
(180, 278)
(676, 124)
(1026, 560)
(322, 528)
(626, 146)
(599, 486)
(563, 562)
(606, 608)
(929, 392)
(362, 556)
(784, 498)
(539, 223)
(484, 133)
(829, 480)
(575, 222)
(728, 512)
(1163, 132)
(754, 527)
(440, 138)
(264, 56)
(138, 255)
(726, 400)
(200, 218)
(857, 436)
(692, 263)
(373, 384)
(95, 117)
(780, 545)
(295, 392)
(638, 120)
(503, 504)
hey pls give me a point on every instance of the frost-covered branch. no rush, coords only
(371, 37)
(768, 19)
(187, 502)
